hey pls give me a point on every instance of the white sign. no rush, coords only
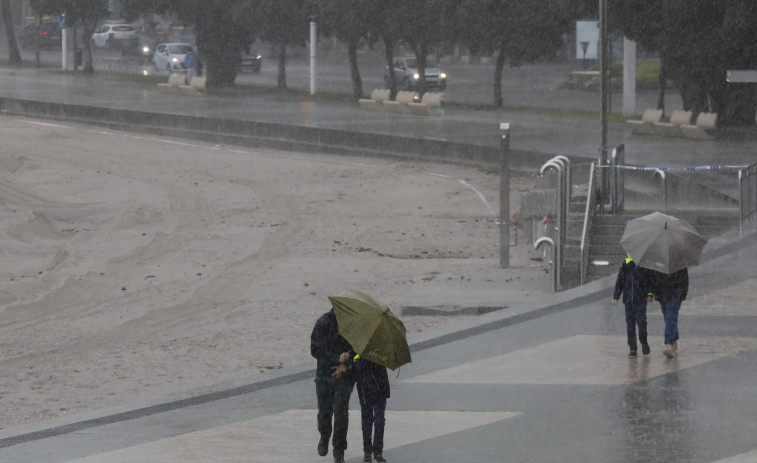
(587, 35)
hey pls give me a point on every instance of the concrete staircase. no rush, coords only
(605, 252)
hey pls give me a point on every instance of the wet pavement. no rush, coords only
(545, 380)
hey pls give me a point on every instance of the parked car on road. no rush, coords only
(112, 35)
(169, 57)
(407, 76)
(49, 35)
(251, 62)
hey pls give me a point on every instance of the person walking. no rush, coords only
(190, 61)
(334, 382)
(670, 291)
(636, 285)
(372, 390)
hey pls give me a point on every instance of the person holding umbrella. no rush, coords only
(670, 290)
(667, 245)
(635, 284)
(379, 339)
(334, 382)
(372, 390)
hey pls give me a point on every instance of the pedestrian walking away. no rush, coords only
(670, 291)
(636, 285)
(334, 382)
(373, 390)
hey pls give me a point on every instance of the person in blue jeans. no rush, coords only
(334, 382)
(636, 285)
(372, 390)
(670, 291)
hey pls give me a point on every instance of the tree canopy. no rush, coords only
(698, 42)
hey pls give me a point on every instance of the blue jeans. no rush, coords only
(636, 314)
(334, 400)
(373, 416)
(670, 314)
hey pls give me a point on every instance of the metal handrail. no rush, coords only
(747, 193)
(591, 203)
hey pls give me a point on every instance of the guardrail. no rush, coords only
(591, 204)
(747, 194)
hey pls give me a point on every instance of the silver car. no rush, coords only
(407, 77)
(170, 57)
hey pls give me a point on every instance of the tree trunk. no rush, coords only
(281, 80)
(357, 82)
(498, 72)
(14, 55)
(661, 78)
(391, 80)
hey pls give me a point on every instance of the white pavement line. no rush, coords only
(748, 457)
(292, 437)
(586, 359)
(733, 300)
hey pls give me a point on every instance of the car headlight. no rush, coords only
(443, 75)
(174, 60)
(416, 76)
(145, 50)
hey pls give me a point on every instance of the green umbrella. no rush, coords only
(371, 328)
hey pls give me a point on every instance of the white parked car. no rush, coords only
(407, 76)
(170, 57)
(112, 35)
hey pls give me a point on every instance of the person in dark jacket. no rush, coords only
(670, 291)
(372, 390)
(636, 285)
(334, 381)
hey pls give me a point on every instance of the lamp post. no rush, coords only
(313, 41)
(504, 196)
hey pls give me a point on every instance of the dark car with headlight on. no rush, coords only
(250, 62)
(407, 77)
(140, 46)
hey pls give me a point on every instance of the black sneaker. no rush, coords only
(380, 459)
(323, 447)
(367, 458)
(645, 349)
(632, 354)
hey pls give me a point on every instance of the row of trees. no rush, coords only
(698, 40)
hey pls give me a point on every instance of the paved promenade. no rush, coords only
(545, 380)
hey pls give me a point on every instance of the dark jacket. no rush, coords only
(372, 381)
(673, 287)
(326, 344)
(634, 282)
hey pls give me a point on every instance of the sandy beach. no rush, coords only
(138, 268)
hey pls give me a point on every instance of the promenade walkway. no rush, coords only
(546, 380)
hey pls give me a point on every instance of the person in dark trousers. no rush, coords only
(670, 291)
(190, 61)
(636, 284)
(372, 390)
(333, 383)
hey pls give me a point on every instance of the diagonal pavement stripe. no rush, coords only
(291, 436)
(586, 359)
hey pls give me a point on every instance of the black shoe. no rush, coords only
(367, 458)
(632, 354)
(645, 349)
(323, 446)
(380, 459)
(338, 457)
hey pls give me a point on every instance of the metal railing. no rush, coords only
(591, 204)
(747, 194)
